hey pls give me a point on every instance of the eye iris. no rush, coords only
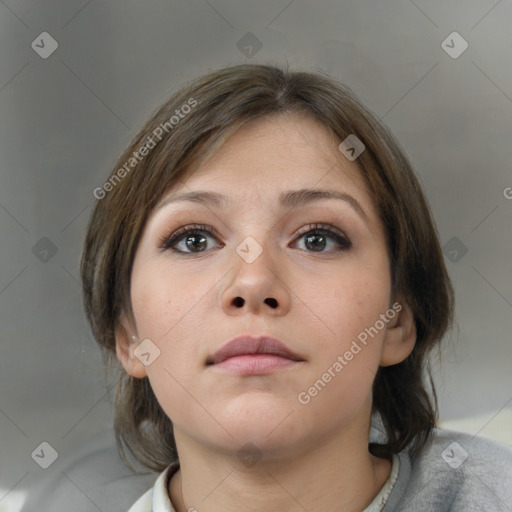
(310, 240)
(193, 246)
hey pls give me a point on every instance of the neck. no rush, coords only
(336, 474)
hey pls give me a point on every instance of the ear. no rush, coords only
(126, 343)
(400, 336)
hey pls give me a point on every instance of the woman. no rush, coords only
(264, 266)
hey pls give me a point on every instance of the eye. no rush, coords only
(193, 239)
(188, 239)
(317, 235)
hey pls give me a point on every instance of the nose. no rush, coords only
(256, 286)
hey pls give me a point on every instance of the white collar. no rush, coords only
(157, 499)
(161, 500)
(380, 500)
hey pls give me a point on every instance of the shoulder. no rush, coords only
(467, 447)
(471, 456)
(457, 472)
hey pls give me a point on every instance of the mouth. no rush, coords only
(253, 355)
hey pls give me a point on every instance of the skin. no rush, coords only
(314, 456)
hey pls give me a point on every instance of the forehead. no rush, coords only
(273, 165)
(276, 151)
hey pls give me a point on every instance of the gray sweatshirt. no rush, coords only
(456, 472)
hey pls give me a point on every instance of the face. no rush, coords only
(313, 274)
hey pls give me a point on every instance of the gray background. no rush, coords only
(65, 119)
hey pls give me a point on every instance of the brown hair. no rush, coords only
(219, 103)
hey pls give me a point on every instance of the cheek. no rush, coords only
(349, 304)
(168, 315)
(162, 298)
(170, 321)
(344, 304)
(345, 361)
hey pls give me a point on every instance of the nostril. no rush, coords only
(271, 302)
(239, 302)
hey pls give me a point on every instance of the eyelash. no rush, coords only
(167, 242)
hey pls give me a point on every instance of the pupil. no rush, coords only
(310, 238)
(191, 245)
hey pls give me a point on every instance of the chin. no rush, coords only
(269, 424)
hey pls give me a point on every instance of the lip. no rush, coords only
(251, 355)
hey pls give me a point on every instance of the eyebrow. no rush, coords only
(288, 199)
